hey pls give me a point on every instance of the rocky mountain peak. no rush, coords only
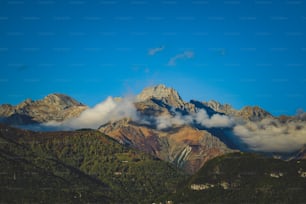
(222, 108)
(158, 92)
(25, 103)
(215, 105)
(61, 100)
(163, 93)
(254, 113)
(53, 107)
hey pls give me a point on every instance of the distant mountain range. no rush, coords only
(159, 122)
(54, 107)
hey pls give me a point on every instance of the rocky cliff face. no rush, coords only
(221, 108)
(54, 107)
(253, 113)
(184, 146)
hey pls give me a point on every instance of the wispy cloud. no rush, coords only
(155, 50)
(184, 55)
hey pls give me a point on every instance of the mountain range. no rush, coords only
(159, 122)
(151, 148)
(54, 107)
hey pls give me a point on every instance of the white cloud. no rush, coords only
(215, 120)
(270, 135)
(200, 117)
(108, 110)
(153, 51)
(184, 55)
(167, 121)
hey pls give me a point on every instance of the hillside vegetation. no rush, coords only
(81, 166)
(87, 166)
(245, 178)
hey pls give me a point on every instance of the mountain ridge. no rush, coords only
(53, 107)
(154, 120)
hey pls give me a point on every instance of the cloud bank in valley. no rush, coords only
(267, 135)
(270, 135)
(201, 117)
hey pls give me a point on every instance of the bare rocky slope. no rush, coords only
(184, 146)
(254, 113)
(54, 107)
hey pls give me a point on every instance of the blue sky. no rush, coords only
(237, 52)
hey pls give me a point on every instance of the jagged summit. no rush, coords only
(163, 93)
(159, 92)
(254, 113)
(61, 99)
(57, 107)
(222, 108)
